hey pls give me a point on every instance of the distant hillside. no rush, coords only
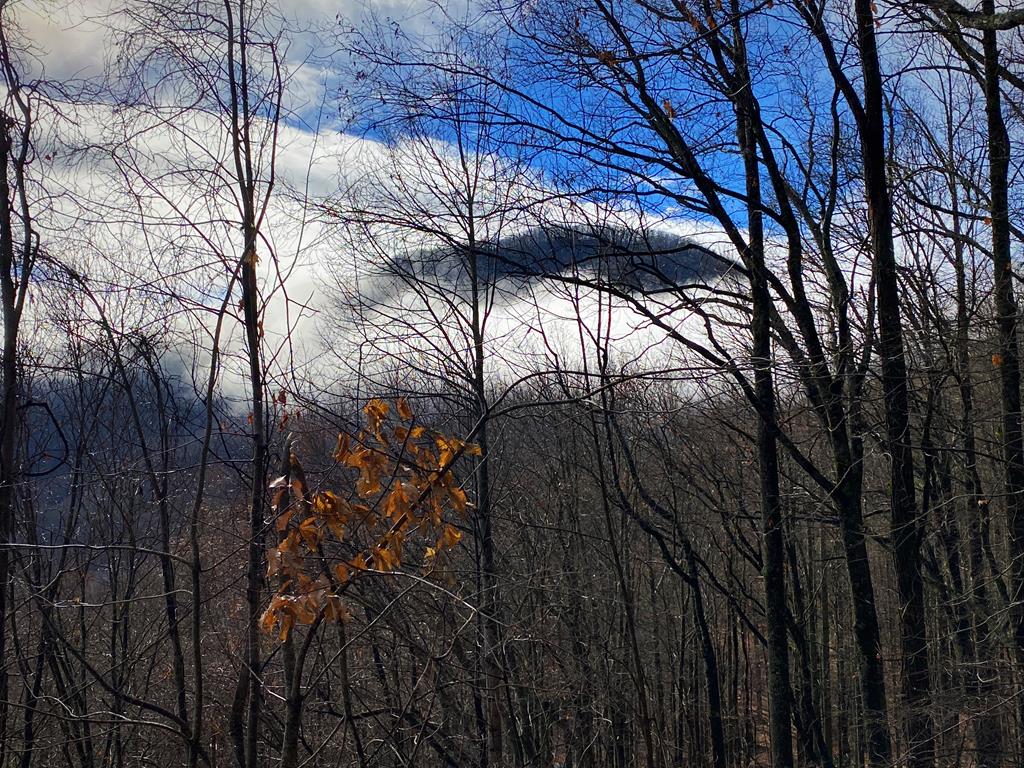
(647, 261)
(640, 261)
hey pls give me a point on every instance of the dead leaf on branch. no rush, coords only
(415, 491)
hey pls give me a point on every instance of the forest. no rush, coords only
(511, 383)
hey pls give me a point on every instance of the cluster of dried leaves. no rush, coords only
(404, 490)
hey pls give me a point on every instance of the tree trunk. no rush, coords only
(776, 611)
(906, 527)
(1008, 361)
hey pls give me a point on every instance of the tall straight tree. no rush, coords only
(1006, 322)
(19, 249)
(906, 527)
(868, 110)
(951, 19)
(779, 694)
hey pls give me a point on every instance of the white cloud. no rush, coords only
(157, 233)
(68, 39)
(153, 218)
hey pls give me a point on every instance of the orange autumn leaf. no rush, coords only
(458, 498)
(368, 484)
(269, 618)
(335, 609)
(341, 451)
(341, 573)
(376, 411)
(325, 503)
(450, 537)
(404, 411)
(304, 609)
(383, 559)
(282, 520)
(397, 502)
(310, 530)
